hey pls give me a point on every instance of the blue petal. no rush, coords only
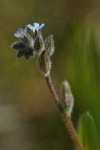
(18, 35)
(20, 30)
(42, 25)
(30, 26)
(36, 25)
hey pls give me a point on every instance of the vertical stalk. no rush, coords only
(66, 119)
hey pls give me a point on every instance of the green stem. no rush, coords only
(66, 119)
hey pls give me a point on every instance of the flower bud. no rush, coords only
(67, 98)
(49, 45)
(44, 63)
(38, 46)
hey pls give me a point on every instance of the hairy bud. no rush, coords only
(67, 98)
(49, 45)
(38, 46)
(44, 63)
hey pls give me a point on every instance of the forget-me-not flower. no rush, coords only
(35, 26)
(20, 33)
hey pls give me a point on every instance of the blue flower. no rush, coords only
(35, 26)
(21, 33)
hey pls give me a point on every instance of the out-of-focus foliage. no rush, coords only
(88, 133)
(84, 71)
(75, 26)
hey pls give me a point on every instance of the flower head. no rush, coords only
(31, 42)
(35, 26)
(21, 33)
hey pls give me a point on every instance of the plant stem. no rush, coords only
(66, 119)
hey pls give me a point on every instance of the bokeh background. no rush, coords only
(29, 119)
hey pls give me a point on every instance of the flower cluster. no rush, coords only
(31, 42)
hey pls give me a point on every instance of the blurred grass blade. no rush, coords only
(87, 133)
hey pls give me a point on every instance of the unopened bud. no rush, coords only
(49, 45)
(67, 98)
(44, 63)
(38, 46)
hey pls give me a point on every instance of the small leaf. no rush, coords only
(87, 132)
(20, 54)
(18, 46)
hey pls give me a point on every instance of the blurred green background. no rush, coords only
(28, 117)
